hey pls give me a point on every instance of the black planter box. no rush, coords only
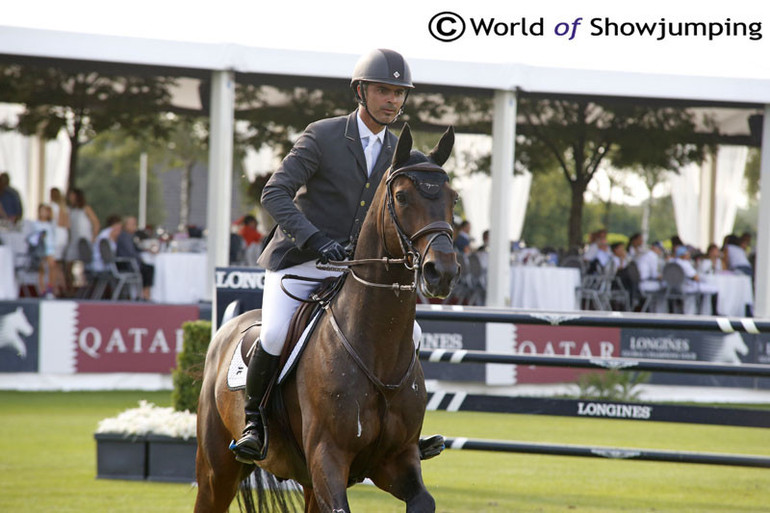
(171, 459)
(120, 457)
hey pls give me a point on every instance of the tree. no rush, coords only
(580, 134)
(85, 103)
(109, 175)
(186, 146)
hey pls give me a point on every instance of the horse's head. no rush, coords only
(420, 202)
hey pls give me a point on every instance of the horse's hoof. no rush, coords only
(431, 446)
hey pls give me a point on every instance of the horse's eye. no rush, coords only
(401, 197)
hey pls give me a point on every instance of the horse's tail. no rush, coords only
(261, 491)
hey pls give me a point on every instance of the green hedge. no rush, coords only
(188, 374)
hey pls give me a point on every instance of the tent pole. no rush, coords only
(762, 264)
(503, 147)
(220, 176)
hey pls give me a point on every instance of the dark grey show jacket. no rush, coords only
(321, 185)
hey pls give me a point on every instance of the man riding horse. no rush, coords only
(319, 197)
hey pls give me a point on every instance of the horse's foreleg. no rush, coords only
(402, 477)
(329, 471)
(216, 469)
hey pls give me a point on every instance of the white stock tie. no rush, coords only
(369, 154)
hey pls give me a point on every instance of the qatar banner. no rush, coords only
(111, 337)
(19, 329)
(584, 342)
(506, 338)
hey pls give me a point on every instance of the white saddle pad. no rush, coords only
(236, 373)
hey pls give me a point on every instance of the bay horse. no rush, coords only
(354, 405)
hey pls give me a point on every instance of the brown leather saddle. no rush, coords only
(307, 310)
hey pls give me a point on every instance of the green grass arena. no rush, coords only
(48, 464)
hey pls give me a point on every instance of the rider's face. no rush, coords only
(384, 102)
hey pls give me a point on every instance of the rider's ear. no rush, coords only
(403, 147)
(443, 149)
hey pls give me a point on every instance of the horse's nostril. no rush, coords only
(430, 272)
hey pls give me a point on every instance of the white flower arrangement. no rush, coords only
(149, 419)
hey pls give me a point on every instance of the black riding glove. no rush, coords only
(324, 248)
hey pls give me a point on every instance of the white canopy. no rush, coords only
(505, 79)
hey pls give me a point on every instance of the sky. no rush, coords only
(353, 27)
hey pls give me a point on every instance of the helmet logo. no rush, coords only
(396, 74)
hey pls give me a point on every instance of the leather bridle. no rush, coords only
(412, 259)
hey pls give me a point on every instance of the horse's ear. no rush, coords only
(403, 147)
(443, 149)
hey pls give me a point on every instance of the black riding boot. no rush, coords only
(252, 446)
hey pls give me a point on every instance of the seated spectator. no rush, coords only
(598, 254)
(463, 238)
(127, 246)
(112, 230)
(249, 231)
(482, 252)
(635, 246)
(735, 255)
(619, 256)
(650, 264)
(711, 262)
(693, 281)
(10, 200)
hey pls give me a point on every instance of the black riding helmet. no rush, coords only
(385, 67)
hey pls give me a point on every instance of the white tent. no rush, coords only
(222, 61)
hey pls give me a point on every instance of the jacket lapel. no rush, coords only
(354, 141)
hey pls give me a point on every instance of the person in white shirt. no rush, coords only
(711, 262)
(693, 282)
(113, 228)
(735, 255)
(649, 264)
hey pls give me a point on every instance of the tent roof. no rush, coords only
(194, 57)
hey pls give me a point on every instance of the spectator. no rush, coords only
(619, 256)
(693, 282)
(42, 243)
(463, 238)
(711, 262)
(83, 225)
(249, 231)
(112, 230)
(735, 255)
(635, 243)
(650, 264)
(598, 254)
(61, 221)
(10, 200)
(127, 246)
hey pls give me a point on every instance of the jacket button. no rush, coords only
(363, 203)
(367, 185)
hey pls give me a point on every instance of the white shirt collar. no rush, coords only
(363, 130)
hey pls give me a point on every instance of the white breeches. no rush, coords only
(278, 308)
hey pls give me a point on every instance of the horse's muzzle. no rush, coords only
(440, 272)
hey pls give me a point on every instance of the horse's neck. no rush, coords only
(372, 314)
